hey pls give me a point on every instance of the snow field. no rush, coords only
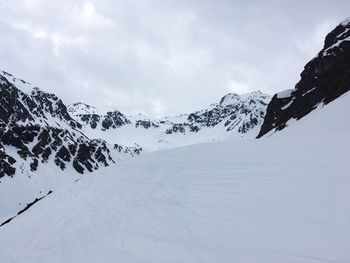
(283, 198)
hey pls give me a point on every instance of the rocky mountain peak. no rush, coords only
(234, 98)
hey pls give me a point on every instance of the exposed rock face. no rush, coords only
(114, 119)
(325, 78)
(6, 163)
(33, 106)
(88, 116)
(40, 129)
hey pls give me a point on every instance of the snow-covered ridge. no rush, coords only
(233, 98)
(234, 116)
(23, 85)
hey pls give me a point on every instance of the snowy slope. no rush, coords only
(283, 198)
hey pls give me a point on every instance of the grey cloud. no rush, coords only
(162, 57)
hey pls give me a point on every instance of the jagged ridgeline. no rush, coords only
(239, 113)
(36, 128)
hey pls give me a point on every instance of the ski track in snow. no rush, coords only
(284, 198)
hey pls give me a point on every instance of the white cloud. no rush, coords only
(158, 109)
(88, 17)
(89, 10)
(239, 87)
(40, 34)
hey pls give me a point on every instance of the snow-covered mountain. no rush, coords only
(283, 198)
(225, 197)
(235, 116)
(36, 128)
(41, 146)
(44, 144)
(325, 78)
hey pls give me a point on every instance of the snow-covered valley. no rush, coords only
(283, 198)
(250, 178)
(45, 144)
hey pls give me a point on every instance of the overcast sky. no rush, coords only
(162, 57)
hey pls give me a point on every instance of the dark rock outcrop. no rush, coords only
(325, 78)
(6, 163)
